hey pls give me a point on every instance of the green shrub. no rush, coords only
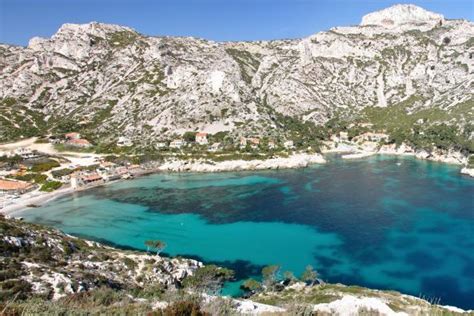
(251, 286)
(208, 278)
(62, 172)
(45, 166)
(15, 289)
(50, 186)
(189, 136)
(129, 263)
(183, 308)
(38, 178)
(471, 161)
(67, 147)
(11, 161)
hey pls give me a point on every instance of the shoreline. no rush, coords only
(38, 198)
(295, 161)
(49, 196)
(354, 151)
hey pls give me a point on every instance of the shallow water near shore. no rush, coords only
(385, 222)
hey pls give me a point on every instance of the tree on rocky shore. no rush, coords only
(156, 245)
(270, 275)
(309, 275)
(289, 278)
(251, 286)
(208, 279)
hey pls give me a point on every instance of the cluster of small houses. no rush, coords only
(74, 139)
(201, 139)
(106, 171)
(102, 172)
(14, 187)
(365, 137)
(254, 142)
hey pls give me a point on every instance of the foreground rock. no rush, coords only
(338, 299)
(41, 261)
(47, 272)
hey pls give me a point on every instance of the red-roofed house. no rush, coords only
(72, 135)
(79, 179)
(84, 143)
(254, 142)
(91, 178)
(10, 186)
(201, 138)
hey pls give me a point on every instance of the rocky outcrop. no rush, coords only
(339, 299)
(293, 161)
(402, 16)
(468, 171)
(47, 262)
(446, 156)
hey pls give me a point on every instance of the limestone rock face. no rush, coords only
(111, 81)
(402, 14)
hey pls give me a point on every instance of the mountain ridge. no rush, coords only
(110, 81)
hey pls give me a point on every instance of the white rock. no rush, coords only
(349, 305)
(468, 171)
(401, 14)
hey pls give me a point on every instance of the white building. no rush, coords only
(26, 153)
(343, 136)
(72, 135)
(160, 145)
(177, 143)
(215, 147)
(243, 142)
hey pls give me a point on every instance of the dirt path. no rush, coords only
(78, 158)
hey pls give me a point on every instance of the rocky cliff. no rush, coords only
(109, 81)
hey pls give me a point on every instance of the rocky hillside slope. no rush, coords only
(109, 81)
(43, 271)
(42, 262)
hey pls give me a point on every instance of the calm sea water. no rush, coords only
(383, 222)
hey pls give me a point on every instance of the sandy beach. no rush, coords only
(33, 198)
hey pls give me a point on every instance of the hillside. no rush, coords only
(400, 67)
(43, 271)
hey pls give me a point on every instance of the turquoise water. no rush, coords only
(383, 222)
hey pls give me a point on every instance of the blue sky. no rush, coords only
(224, 20)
